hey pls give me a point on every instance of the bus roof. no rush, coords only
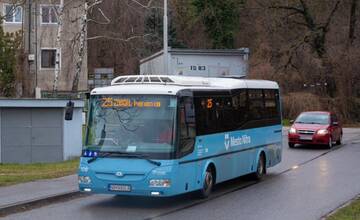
(171, 85)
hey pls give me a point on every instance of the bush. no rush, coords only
(297, 102)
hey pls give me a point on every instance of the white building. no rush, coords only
(190, 62)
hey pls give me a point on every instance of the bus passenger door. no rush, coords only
(186, 141)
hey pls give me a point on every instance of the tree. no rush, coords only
(220, 19)
(154, 26)
(9, 47)
(316, 30)
(353, 20)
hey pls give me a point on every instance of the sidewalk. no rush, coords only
(26, 193)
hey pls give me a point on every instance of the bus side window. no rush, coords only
(206, 115)
(256, 104)
(186, 126)
(270, 104)
(241, 112)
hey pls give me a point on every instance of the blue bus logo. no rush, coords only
(227, 141)
(119, 174)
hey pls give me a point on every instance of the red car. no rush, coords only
(318, 128)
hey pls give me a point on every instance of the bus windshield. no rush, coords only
(136, 124)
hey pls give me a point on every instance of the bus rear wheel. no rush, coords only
(208, 183)
(261, 168)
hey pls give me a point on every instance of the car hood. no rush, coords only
(314, 127)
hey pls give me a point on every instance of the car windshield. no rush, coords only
(137, 124)
(313, 118)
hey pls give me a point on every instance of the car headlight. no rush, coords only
(159, 183)
(292, 131)
(84, 180)
(322, 132)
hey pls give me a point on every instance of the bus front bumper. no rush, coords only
(129, 189)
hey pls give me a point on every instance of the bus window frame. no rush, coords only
(181, 96)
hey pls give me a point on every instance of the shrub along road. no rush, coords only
(309, 184)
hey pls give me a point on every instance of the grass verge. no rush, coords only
(286, 122)
(350, 212)
(11, 174)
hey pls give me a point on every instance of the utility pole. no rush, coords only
(165, 38)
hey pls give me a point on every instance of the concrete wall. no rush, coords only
(154, 66)
(35, 131)
(205, 63)
(213, 65)
(0, 136)
(73, 135)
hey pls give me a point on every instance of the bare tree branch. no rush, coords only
(353, 19)
(117, 38)
(108, 21)
(148, 6)
(331, 15)
(297, 10)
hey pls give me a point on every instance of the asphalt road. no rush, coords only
(308, 184)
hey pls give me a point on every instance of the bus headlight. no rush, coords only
(159, 183)
(84, 180)
(292, 131)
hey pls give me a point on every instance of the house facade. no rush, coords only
(37, 20)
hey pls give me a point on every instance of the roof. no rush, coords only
(39, 103)
(202, 52)
(171, 85)
(317, 112)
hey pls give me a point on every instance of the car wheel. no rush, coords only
(291, 145)
(261, 168)
(208, 183)
(338, 142)
(330, 144)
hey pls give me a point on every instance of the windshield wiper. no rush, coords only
(123, 154)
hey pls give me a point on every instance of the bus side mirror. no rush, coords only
(87, 95)
(69, 110)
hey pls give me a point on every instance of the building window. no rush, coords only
(13, 14)
(49, 14)
(48, 58)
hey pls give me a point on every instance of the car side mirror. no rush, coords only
(292, 121)
(335, 123)
(69, 110)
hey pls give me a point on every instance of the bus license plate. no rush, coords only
(306, 137)
(119, 188)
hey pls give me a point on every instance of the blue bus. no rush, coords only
(167, 135)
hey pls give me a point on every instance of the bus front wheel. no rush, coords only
(208, 183)
(261, 168)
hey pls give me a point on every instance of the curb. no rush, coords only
(326, 216)
(38, 202)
